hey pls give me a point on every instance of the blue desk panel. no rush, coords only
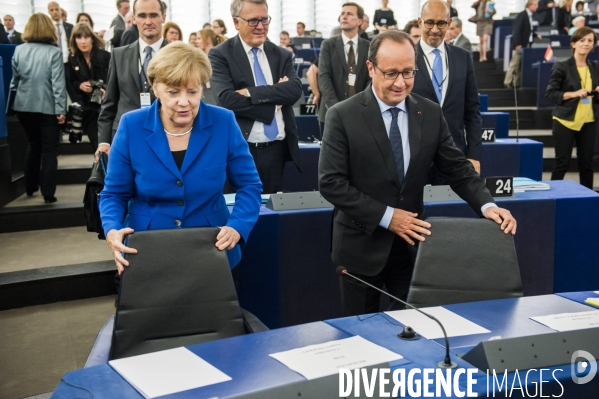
(501, 29)
(6, 53)
(544, 74)
(498, 120)
(3, 129)
(484, 102)
(529, 57)
(307, 125)
(580, 297)
(307, 179)
(245, 359)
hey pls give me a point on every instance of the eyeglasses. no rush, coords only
(408, 74)
(253, 22)
(429, 23)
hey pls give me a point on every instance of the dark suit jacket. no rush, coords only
(118, 22)
(564, 20)
(15, 38)
(544, 14)
(3, 36)
(333, 71)
(521, 30)
(68, 28)
(79, 72)
(130, 35)
(232, 71)
(565, 77)
(461, 107)
(122, 90)
(357, 174)
(463, 42)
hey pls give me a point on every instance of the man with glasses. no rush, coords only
(376, 153)
(447, 78)
(342, 62)
(127, 87)
(256, 79)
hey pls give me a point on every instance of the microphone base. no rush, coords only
(446, 366)
(416, 337)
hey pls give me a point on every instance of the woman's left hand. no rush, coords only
(227, 238)
(103, 93)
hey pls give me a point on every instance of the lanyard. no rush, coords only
(432, 73)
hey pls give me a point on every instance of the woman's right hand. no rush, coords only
(85, 87)
(115, 239)
(582, 93)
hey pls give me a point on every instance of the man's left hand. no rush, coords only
(243, 92)
(475, 164)
(502, 217)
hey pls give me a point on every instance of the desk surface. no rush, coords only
(246, 358)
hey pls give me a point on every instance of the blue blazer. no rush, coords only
(144, 183)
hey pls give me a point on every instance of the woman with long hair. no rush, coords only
(207, 38)
(40, 103)
(88, 72)
(575, 114)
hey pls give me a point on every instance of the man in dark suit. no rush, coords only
(11, 33)
(63, 29)
(130, 35)
(458, 38)
(522, 37)
(376, 153)
(342, 63)
(544, 14)
(446, 76)
(123, 7)
(256, 79)
(127, 73)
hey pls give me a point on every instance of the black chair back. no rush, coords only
(177, 291)
(464, 260)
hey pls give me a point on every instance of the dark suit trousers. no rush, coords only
(43, 134)
(270, 163)
(585, 145)
(357, 298)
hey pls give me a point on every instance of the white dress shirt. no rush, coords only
(427, 51)
(142, 47)
(532, 24)
(257, 134)
(63, 41)
(402, 121)
(346, 45)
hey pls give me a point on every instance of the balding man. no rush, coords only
(446, 76)
(63, 29)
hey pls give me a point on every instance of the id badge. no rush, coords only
(351, 79)
(208, 85)
(383, 21)
(144, 99)
(585, 100)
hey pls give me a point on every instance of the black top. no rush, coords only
(384, 17)
(453, 12)
(179, 156)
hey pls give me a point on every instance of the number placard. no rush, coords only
(307, 109)
(298, 60)
(500, 186)
(488, 135)
(306, 46)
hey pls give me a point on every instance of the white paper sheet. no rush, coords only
(109, 34)
(315, 361)
(455, 325)
(570, 321)
(166, 372)
(597, 292)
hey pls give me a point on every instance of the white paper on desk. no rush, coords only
(166, 372)
(321, 360)
(570, 321)
(455, 325)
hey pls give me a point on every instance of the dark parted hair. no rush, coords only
(83, 29)
(582, 32)
(84, 14)
(284, 32)
(162, 8)
(221, 24)
(359, 7)
(394, 35)
(411, 24)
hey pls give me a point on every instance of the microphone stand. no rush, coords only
(516, 103)
(447, 363)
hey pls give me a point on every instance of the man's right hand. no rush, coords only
(101, 148)
(406, 225)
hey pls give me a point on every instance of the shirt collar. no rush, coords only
(457, 37)
(10, 31)
(347, 39)
(426, 49)
(122, 16)
(529, 13)
(247, 48)
(155, 47)
(384, 107)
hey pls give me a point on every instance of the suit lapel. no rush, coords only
(158, 142)
(452, 68)
(362, 56)
(340, 53)
(374, 120)
(132, 58)
(199, 137)
(573, 71)
(423, 73)
(242, 60)
(273, 61)
(415, 118)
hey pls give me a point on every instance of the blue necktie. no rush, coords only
(144, 71)
(438, 75)
(271, 130)
(396, 143)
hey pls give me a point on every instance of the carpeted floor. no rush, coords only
(41, 343)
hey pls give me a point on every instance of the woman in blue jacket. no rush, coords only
(168, 162)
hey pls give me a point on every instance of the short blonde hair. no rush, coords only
(178, 64)
(40, 29)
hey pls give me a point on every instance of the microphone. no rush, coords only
(447, 363)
